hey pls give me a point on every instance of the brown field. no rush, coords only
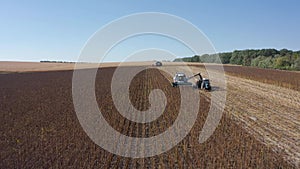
(287, 79)
(39, 127)
(18, 67)
(270, 112)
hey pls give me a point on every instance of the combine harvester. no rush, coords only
(180, 79)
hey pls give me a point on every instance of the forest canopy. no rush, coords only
(264, 58)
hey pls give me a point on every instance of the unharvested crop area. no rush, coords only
(39, 127)
(287, 79)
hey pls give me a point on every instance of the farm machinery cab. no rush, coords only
(181, 79)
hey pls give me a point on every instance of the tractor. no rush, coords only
(158, 63)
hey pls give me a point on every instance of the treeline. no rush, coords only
(264, 58)
(50, 61)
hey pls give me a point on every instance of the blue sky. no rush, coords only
(57, 30)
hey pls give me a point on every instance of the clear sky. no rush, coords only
(58, 29)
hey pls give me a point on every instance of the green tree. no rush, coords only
(225, 57)
(284, 52)
(236, 58)
(268, 52)
(255, 62)
(266, 62)
(195, 58)
(297, 64)
(282, 63)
